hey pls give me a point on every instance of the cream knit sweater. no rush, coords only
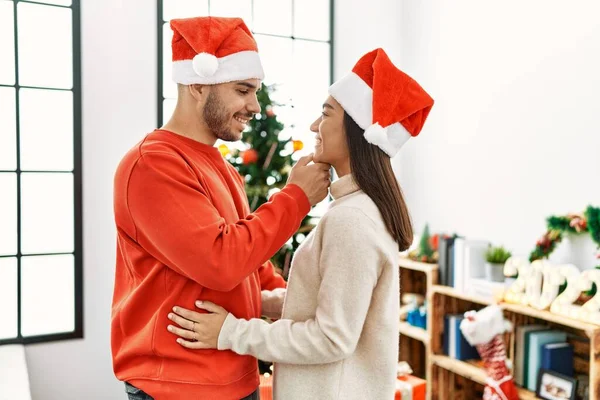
(338, 338)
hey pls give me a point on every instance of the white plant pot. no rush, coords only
(494, 272)
(579, 250)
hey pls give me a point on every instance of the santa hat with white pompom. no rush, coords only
(388, 104)
(213, 50)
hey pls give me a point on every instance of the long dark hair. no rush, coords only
(372, 171)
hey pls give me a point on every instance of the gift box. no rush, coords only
(266, 387)
(410, 387)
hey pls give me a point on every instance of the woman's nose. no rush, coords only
(314, 127)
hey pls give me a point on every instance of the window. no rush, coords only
(40, 172)
(295, 44)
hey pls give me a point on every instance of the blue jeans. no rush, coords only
(134, 393)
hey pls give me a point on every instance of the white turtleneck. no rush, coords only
(338, 336)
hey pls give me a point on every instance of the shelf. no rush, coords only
(450, 291)
(462, 368)
(472, 372)
(414, 332)
(588, 328)
(407, 263)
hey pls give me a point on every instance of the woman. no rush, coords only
(338, 336)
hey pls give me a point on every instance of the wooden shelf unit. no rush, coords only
(416, 277)
(547, 316)
(414, 332)
(449, 379)
(418, 266)
(446, 300)
(469, 371)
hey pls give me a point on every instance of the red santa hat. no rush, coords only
(212, 50)
(388, 104)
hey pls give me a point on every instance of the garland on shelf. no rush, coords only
(588, 222)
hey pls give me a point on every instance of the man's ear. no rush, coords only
(198, 91)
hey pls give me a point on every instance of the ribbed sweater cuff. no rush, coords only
(301, 198)
(227, 331)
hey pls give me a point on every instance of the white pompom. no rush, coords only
(205, 65)
(378, 135)
(482, 326)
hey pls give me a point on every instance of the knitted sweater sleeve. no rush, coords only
(350, 266)
(176, 222)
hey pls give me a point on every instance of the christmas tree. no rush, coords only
(424, 245)
(427, 251)
(265, 162)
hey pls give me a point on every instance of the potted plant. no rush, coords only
(495, 258)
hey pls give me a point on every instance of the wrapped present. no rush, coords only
(409, 387)
(266, 387)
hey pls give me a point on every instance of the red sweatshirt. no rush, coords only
(185, 232)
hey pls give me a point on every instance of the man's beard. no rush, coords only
(218, 120)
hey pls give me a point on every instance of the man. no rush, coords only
(184, 227)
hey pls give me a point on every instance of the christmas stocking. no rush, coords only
(484, 329)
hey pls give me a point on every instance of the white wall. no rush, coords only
(119, 107)
(512, 138)
(514, 134)
(364, 26)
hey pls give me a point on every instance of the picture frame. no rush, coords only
(554, 386)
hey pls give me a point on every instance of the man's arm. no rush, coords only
(273, 289)
(175, 221)
(269, 279)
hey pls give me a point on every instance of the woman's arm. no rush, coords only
(350, 265)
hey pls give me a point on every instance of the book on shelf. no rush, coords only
(485, 289)
(455, 344)
(460, 260)
(558, 357)
(443, 260)
(450, 258)
(533, 361)
(520, 351)
(458, 255)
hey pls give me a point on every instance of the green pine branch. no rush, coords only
(592, 215)
(425, 248)
(561, 224)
